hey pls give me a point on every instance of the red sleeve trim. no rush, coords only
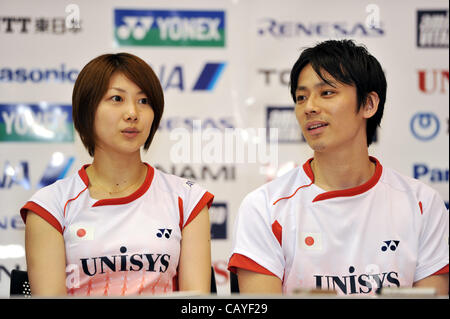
(180, 210)
(243, 262)
(277, 231)
(42, 212)
(207, 199)
(443, 270)
(175, 283)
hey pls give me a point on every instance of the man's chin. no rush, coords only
(317, 146)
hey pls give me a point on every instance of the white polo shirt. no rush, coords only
(391, 231)
(121, 246)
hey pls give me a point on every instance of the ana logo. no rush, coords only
(169, 28)
(56, 169)
(208, 77)
(166, 232)
(432, 28)
(424, 126)
(174, 78)
(36, 123)
(311, 241)
(390, 244)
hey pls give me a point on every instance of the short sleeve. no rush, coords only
(255, 245)
(191, 203)
(45, 204)
(433, 252)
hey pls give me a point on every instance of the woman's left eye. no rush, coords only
(116, 98)
(326, 93)
(143, 101)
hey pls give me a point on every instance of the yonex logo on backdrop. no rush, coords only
(169, 28)
(40, 122)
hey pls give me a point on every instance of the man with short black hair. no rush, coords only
(342, 221)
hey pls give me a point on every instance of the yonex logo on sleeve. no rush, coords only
(189, 183)
(164, 232)
(390, 244)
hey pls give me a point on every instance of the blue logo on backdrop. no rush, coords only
(174, 122)
(219, 215)
(11, 222)
(432, 28)
(38, 75)
(430, 174)
(209, 76)
(424, 126)
(19, 175)
(172, 77)
(283, 119)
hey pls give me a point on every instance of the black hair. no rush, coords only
(350, 64)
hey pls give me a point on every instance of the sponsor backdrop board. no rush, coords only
(224, 67)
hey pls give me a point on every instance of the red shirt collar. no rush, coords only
(350, 191)
(121, 200)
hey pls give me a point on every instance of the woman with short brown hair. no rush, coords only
(118, 226)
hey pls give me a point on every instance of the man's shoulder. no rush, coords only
(402, 182)
(280, 186)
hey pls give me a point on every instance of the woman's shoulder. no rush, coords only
(172, 182)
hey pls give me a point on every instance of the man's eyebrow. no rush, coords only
(317, 85)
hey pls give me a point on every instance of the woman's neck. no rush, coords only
(115, 175)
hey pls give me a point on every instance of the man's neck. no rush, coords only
(337, 171)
